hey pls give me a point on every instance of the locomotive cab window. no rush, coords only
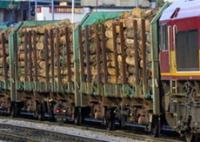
(187, 51)
(163, 38)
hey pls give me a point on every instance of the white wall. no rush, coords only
(45, 14)
(110, 10)
(116, 2)
(88, 2)
(144, 3)
(107, 2)
(170, 0)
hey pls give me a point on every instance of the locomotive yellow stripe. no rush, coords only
(185, 74)
(199, 58)
(172, 61)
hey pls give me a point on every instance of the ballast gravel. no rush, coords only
(68, 130)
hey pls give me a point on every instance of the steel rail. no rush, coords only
(25, 134)
(119, 133)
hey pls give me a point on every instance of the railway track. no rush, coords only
(39, 134)
(24, 134)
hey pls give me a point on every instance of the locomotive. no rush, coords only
(179, 66)
(170, 95)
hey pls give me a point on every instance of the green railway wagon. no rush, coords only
(99, 98)
(96, 81)
(33, 62)
(81, 94)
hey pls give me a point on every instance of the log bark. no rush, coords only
(110, 38)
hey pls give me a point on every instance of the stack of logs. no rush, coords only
(45, 53)
(4, 62)
(118, 51)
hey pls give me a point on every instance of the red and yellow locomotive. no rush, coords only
(180, 65)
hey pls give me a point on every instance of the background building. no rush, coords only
(11, 11)
(83, 7)
(143, 3)
(60, 13)
(18, 10)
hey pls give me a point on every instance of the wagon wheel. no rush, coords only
(122, 122)
(190, 137)
(38, 116)
(156, 126)
(109, 125)
(156, 130)
(108, 120)
(77, 120)
(13, 109)
(39, 111)
(12, 113)
(77, 116)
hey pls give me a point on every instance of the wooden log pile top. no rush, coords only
(118, 51)
(45, 53)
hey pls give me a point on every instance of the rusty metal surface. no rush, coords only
(115, 52)
(46, 49)
(69, 72)
(26, 55)
(30, 61)
(123, 53)
(57, 48)
(136, 47)
(35, 57)
(104, 52)
(3, 43)
(98, 59)
(81, 52)
(87, 54)
(52, 50)
(144, 71)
